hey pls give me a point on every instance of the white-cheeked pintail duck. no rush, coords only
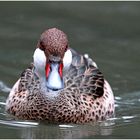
(60, 85)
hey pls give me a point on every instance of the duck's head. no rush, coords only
(52, 57)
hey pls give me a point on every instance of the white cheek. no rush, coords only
(39, 61)
(67, 60)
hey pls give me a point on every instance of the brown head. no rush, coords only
(54, 44)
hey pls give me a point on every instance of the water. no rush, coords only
(108, 31)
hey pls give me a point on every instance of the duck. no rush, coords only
(60, 85)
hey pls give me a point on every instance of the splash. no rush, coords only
(4, 87)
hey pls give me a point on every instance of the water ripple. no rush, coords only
(4, 87)
(19, 123)
(2, 103)
(65, 126)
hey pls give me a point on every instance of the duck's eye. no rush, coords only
(66, 48)
(42, 47)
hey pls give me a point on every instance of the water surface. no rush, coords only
(108, 31)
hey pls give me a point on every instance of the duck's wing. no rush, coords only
(20, 90)
(27, 79)
(24, 85)
(84, 76)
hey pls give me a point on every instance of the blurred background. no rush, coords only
(108, 31)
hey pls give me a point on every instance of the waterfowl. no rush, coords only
(60, 85)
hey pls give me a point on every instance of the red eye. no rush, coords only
(47, 70)
(61, 70)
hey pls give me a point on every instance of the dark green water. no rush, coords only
(108, 31)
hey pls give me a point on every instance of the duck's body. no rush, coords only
(80, 95)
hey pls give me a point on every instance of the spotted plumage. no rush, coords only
(85, 97)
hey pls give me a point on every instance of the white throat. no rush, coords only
(54, 80)
(39, 59)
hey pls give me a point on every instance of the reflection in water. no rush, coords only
(66, 131)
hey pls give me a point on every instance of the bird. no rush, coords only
(60, 85)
